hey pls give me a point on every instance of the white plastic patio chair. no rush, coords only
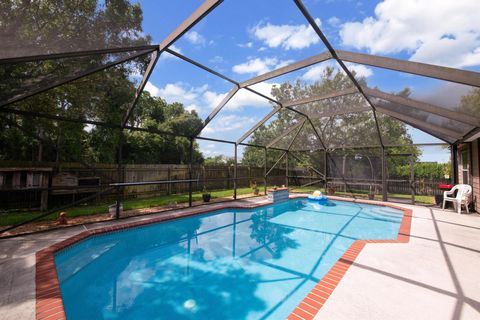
(464, 193)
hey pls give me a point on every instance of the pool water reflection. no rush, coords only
(230, 264)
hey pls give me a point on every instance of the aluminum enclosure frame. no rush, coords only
(430, 71)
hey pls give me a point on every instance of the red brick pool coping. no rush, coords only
(49, 304)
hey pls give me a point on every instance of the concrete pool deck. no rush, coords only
(434, 276)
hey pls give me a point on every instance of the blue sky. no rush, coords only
(242, 39)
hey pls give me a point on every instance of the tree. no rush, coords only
(219, 160)
(470, 103)
(348, 129)
(424, 170)
(59, 26)
(45, 26)
(156, 113)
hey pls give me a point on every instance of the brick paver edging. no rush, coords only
(49, 304)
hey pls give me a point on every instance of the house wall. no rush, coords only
(476, 173)
(472, 151)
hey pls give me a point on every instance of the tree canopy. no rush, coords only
(342, 122)
(103, 96)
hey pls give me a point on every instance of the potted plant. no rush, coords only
(254, 186)
(331, 190)
(206, 195)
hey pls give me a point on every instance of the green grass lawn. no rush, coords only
(364, 194)
(129, 204)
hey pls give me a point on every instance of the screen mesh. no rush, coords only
(30, 28)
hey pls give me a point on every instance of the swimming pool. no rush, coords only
(229, 264)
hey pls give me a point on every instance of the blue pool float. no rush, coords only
(320, 197)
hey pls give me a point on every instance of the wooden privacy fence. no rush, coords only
(424, 187)
(68, 182)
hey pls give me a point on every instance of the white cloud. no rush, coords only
(179, 92)
(203, 100)
(334, 21)
(217, 59)
(150, 87)
(316, 72)
(229, 123)
(209, 149)
(246, 99)
(360, 70)
(196, 38)
(259, 65)
(445, 32)
(246, 45)
(286, 35)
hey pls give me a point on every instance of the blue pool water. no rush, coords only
(230, 264)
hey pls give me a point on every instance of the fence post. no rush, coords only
(265, 172)
(325, 169)
(169, 178)
(286, 170)
(228, 177)
(384, 177)
(190, 174)
(235, 175)
(412, 178)
(119, 174)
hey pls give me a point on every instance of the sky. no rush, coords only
(242, 39)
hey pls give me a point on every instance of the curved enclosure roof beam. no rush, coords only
(259, 124)
(186, 25)
(340, 112)
(473, 120)
(74, 54)
(421, 125)
(141, 86)
(291, 103)
(335, 56)
(427, 70)
(315, 98)
(217, 109)
(193, 19)
(287, 132)
(287, 69)
(73, 77)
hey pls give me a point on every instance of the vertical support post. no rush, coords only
(412, 178)
(235, 174)
(286, 170)
(325, 169)
(384, 176)
(169, 178)
(120, 177)
(190, 173)
(454, 161)
(344, 162)
(265, 172)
